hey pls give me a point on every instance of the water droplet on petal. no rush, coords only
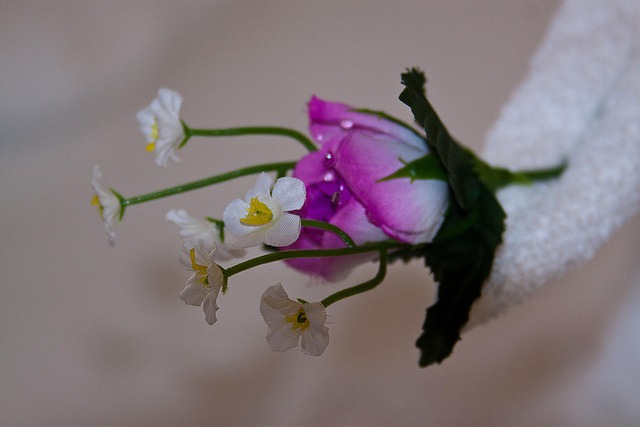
(329, 160)
(346, 124)
(329, 176)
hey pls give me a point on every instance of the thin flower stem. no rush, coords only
(278, 167)
(309, 253)
(330, 227)
(251, 130)
(362, 287)
(543, 174)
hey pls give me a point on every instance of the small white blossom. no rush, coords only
(160, 123)
(206, 281)
(290, 321)
(108, 205)
(263, 216)
(193, 229)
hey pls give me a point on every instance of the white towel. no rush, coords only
(580, 101)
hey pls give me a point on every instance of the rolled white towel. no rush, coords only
(580, 102)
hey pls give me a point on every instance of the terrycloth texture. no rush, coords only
(580, 101)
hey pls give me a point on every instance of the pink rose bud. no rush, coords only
(357, 150)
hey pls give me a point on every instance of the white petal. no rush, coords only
(97, 174)
(215, 276)
(256, 238)
(225, 252)
(163, 153)
(110, 203)
(281, 336)
(146, 120)
(184, 257)
(180, 218)
(170, 100)
(275, 304)
(241, 235)
(262, 187)
(203, 254)
(290, 193)
(194, 293)
(169, 127)
(146, 116)
(210, 307)
(233, 212)
(316, 338)
(284, 231)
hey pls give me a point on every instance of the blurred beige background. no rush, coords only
(95, 335)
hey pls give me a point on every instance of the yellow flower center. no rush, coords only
(201, 270)
(154, 135)
(257, 213)
(95, 201)
(298, 321)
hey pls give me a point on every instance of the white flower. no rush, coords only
(193, 229)
(160, 123)
(290, 321)
(262, 217)
(206, 281)
(108, 205)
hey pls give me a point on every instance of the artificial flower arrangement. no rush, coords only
(371, 188)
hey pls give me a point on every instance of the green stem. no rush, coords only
(279, 167)
(309, 253)
(497, 178)
(330, 227)
(250, 130)
(543, 174)
(362, 287)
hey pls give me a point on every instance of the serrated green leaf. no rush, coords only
(462, 252)
(426, 167)
(460, 260)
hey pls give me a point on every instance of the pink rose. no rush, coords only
(358, 149)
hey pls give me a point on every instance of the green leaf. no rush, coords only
(426, 167)
(460, 260)
(456, 159)
(462, 252)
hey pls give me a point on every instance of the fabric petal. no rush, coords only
(276, 304)
(281, 336)
(256, 238)
(194, 293)
(233, 212)
(311, 168)
(262, 187)
(343, 119)
(216, 277)
(284, 231)
(226, 252)
(170, 100)
(290, 193)
(184, 258)
(316, 338)
(193, 229)
(210, 308)
(146, 120)
(408, 211)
